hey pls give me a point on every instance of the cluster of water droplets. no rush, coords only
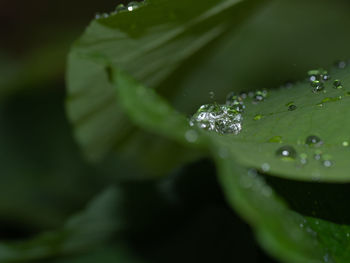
(131, 6)
(225, 118)
(288, 153)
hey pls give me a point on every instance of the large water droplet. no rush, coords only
(313, 140)
(222, 119)
(286, 152)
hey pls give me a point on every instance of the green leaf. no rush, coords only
(323, 114)
(150, 44)
(277, 228)
(286, 234)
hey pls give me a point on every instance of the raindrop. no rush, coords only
(260, 95)
(326, 77)
(317, 86)
(303, 158)
(292, 107)
(243, 95)
(265, 167)
(191, 136)
(341, 64)
(313, 140)
(133, 5)
(286, 152)
(327, 163)
(337, 84)
(211, 94)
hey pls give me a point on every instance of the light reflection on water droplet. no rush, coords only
(265, 167)
(286, 152)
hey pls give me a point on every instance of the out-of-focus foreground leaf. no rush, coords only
(150, 43)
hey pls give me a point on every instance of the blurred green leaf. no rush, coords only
(89, 229)
(149, 43)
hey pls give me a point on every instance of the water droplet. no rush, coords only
(133, 5)
(265, 167)
(211, 94)
(191, 136)
(341, 64)
(258, 117)
(222, 119)
(243, 95)
(303, 158)
(313, 140)
(317, 86)
(345, 143)
(326, 77)
(337, 84)
(286, 152)
(292, 107)
(317, 156)
(260, 96)
(327, 163)
(120, 8)
(277, 139)
(289, 103)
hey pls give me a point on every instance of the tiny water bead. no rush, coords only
(303, 158)
(222, 119)
(337, 84)
(345, 143)
(191, 136)
(341, 64)
(260, 95)
(236, 102)
(120, 8)
(286, 152)
(317, 86)
(313, 140)
(133, 5)
(265, 167)
(292, 107)
(318, 74)
(212, 94)
(327, 163)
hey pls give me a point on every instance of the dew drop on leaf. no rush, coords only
(191, 136)
(292, 107)
(345, 143)
(286, 152)
(313, 140)
(317, 86)
(337, 84)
